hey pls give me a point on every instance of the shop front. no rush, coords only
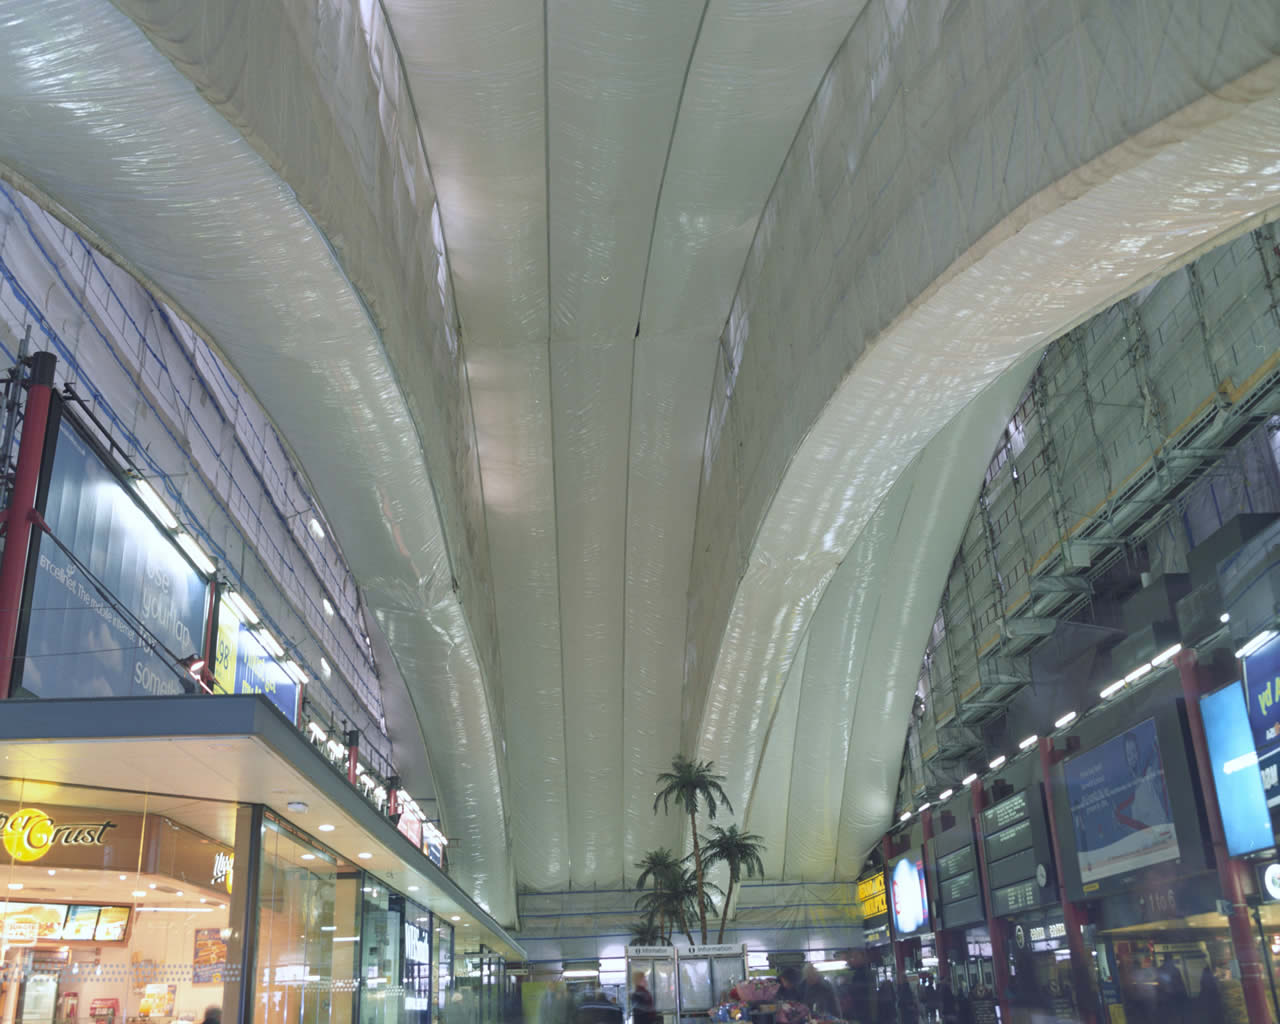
(277, 896)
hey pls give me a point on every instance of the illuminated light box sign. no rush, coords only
(1246, 820)
(242, 665)
(25, 924)
(1262, 698)
(1120, 810)
(75, 643)
(910, 898)
(873, 900)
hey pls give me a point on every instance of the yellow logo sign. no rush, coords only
(28, 834)
(223, 869)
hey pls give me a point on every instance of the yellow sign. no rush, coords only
(28, 834)
(871, 896)
(225, 651)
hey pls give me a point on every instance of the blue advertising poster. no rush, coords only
(1262, 696)
(242, 665)
(1119, 805)
(910, 899)
(77, 643)
(1236, 778)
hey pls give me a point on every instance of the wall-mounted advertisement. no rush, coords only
(1119, 805)
(909, 903)
(1262, 698)
(1236, 778)
(77, 642)
(241, 664)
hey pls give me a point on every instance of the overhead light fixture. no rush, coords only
(175, 910)
(998, 762)
(830, 965)
(152, 885)
(328, 607)
(1065, 720)
(1109, 691)
(326, 828)
(151, 498)
(139, 894)
(15, 886)
(123, 877)
(346, 938)
(194, 664)
(1224, 618)
(945, 795)
(1256, 644)
(455, 917)
(969, 779)
(52, 872)
(923, 807)
(196, 553)
(294, 671)
(904, 816)
(298, 806)
(269, 643)
(315, 529)
(326, 669)
(364, 855)
(413, 888)
(1165, 655)
(243, 609)
(1138, 672)
(328, 927)
(1028, 743)
(308, 856)
(581, 972)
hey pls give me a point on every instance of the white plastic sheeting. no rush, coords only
(95, 117)
(600, 165)
(949, 361)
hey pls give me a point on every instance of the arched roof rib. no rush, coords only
(970, 182)
(590, 540)
(365, 383)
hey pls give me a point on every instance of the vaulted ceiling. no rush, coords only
(645, 354)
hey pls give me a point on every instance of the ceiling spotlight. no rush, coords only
(923, 807)
(1225, 617)
(52, 872)
(1028, 743)
(297, 807)
(328, 607)
(364, 855)
(194, 664)
(945, 795)
(904, 816)
(15, 886)
(139, 894)
(326, 828)
(998, 762)
(308, 856)
(315, 529)
(455, 917)
(1065, 720)
(413, 888)
(123, 877)
(969, 779)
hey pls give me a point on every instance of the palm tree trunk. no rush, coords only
(697, 863)
(724, 913)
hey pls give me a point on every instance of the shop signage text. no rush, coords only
(872, 897)
(1056, 930)
(723, 949)
(28, 834)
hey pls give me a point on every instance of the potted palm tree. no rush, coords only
(739, 852)
(692, 786)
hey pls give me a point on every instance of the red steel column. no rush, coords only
(17, 517)
(1071, 912)
(939, 936)
(353, 755)
(1230, 871)
(999, 954)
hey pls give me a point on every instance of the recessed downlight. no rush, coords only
(413, 888)
(15, 886)
(455, 918)
(308, 856)
(364, 855)
(326, 828)
(139, 893)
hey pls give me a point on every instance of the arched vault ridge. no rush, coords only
(970, 182)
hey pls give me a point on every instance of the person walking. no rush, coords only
(642, 1005)
(819, 996)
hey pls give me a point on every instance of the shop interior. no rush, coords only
(123, 918)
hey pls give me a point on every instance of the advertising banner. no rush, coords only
(1119, 804)
(77, 643)
(1236, 777)
(910, 902)
(1262, 697)
(873, 900)
(242, 665)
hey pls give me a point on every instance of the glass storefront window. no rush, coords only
(308, 932)
(442, 965)
(115, 906)
(381, 987)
